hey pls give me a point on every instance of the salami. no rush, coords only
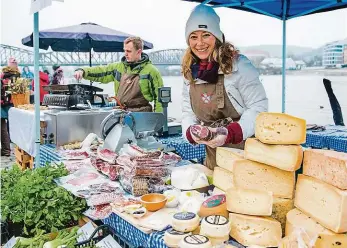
(201, 132)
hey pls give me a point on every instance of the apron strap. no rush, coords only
(220, 91)
(117, 75)
(150, 79)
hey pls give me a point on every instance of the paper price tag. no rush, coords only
(108, 242)
(11, 243)
(85, 232)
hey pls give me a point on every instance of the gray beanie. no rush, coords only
(204, 18)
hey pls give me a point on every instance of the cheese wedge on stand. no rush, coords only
(284, 157)
(280, 129)
(328, 166)
(323, 202)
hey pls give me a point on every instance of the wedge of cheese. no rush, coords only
(253, 175)
(249, 201)
(323, 202)
(324, 237)
(280, 208)
(222, 178)
(328, 166)
(284, 157)
(254, 230)
(225, 157)
(280, 129)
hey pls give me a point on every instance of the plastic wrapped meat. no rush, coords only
(99, 212)
(147, 170)
(125, 160)
(107, 155)
(170, 158)
(83, 178)
(103, 198)
(114, 172)
(74, 154)
(74, 165)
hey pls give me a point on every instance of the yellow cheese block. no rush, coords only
(280, 208)
(225, 157)
(222, 178)
(253, 175)
(284, 157)
(328, 166)
(249, 201)
(323, 202)
(254, 230)
(280, 129)
(313, 230)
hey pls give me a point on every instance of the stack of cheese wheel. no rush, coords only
(183, 223)
(262, 179)
(320, 200)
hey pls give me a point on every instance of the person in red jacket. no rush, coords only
(44, 80)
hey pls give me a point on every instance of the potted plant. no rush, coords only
(19, 89)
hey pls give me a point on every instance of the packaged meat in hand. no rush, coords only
(107, 155)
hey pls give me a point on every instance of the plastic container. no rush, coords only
(103, 231)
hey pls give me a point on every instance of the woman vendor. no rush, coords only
(222, 92)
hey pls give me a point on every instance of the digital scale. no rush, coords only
(164, 97)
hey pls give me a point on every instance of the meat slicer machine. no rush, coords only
(123, 127)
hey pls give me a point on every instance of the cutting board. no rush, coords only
(135, 222)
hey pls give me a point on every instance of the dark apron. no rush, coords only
(212, 107)
(130, 95)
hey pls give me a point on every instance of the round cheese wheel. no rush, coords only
(219, 240)
(195, 241)
(215, 226)
(214, 205)
(185, 221)
(172, 237)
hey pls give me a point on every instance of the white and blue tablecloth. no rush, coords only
(333, 137)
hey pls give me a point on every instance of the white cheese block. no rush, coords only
(280, 208)
(195, 241)
(328, 166)
(284, 157)
(185, 221)
(187, 178)
(216, 226)
(172, 237)
(249, 201)
(225, 157)
(222, 178)
(253, 175)
(280, 129)
(325, 238)
(323, 202)
(254, 230)
(218, 191)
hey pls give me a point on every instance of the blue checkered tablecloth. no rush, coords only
(333, 137)
(186, 150)
(48, 154)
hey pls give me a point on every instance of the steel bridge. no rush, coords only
(26, 57)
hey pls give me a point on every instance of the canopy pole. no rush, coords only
(37, 89)
(284, 56)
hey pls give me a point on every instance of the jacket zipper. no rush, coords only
(234, 99)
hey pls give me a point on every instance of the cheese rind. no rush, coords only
(195, 241)
(254, 230)
(214, 205)
(328, 166)
(172, 237)
(225, 157)
(323, 202)
(313, 230)
(185, 221)
(284, 157)
(222, 178)
(280, 129)
(249, 201)
(280, 208)
(253, 175)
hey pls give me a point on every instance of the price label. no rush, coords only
(11, 243)
(85, 232)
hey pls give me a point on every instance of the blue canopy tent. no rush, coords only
(82, 38)
(282, 10)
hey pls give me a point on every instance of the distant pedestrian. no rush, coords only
(58, 75)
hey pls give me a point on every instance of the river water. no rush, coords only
(305, 96)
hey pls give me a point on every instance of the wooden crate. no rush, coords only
(23, 159)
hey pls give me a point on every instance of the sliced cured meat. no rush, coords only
(201, 132)
(114, 172)
(107, 155)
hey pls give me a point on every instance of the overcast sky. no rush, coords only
(162, 22)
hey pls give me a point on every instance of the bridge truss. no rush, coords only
(26, 57)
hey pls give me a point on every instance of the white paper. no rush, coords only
(85, 232)
(11, 243)
(108, 242)
(37, 5)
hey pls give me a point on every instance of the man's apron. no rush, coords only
(212, 107)
(130, 95)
